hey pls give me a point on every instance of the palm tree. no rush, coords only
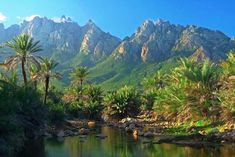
(205, 73)
(79, 75)
(46, 72)
(33, 71)
(24, 47)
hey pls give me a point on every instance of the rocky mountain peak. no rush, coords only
(142, 34)
(91, 27)
(147, 23)
(90, 23)
(64, 39)
(161, 22)
(158, 42)
(64, 19)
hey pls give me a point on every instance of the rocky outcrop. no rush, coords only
(200, 54)
(162, 40)
(97, 43)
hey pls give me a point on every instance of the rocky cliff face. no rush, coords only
(152, 42)
(64, 39)
(158, 41)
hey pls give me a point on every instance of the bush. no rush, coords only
(92, 109)
(148, 100)
(56, 112)
(75, 108)
(170, 99)
(123, 103)
(94, 93)
(22, 114)
(84, 102)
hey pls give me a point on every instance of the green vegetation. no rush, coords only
(183, 91)
(79, 75)
(46, 72)
(122, 103)
(24, 48)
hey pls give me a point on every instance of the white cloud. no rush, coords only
(2, 17)
(62, 19)
(27, 18)
(30, 18)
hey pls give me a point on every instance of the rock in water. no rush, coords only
(60, 133)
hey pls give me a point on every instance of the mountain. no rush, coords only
(156, 46)
(65, 40)
(154, 42)
(115, 62)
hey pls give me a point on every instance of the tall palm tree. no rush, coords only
(24, 47)
(79, 75)
(46, 72)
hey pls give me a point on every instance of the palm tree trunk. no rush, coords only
(23, 71)
(46, 89)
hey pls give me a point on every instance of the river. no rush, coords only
(117, 144)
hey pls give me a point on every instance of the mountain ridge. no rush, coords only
(112, 59)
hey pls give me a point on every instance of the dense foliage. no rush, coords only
(123, 102)
(192, 91)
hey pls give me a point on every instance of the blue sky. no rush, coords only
(122, 17)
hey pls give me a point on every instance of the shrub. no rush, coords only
(169, 99)
(72, 94)
(75, 108)
(123, 103)
(92, 109)
(22, 114)
(94, 93)
(148, 100)
(56, 112)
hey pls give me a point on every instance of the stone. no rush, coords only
(127, 129)
(83, 131)
(148, 134)
(60, 133)
(131, 126)
(69, 133)
(91, 124)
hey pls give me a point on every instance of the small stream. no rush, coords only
(117, 144)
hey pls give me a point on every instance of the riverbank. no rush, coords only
(148, 128)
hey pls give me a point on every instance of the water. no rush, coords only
(117, 144)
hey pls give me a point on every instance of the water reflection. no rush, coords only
(117, 144)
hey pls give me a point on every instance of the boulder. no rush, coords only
(148, 134)
(83, 131)
(60, 133)
(132, 126)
